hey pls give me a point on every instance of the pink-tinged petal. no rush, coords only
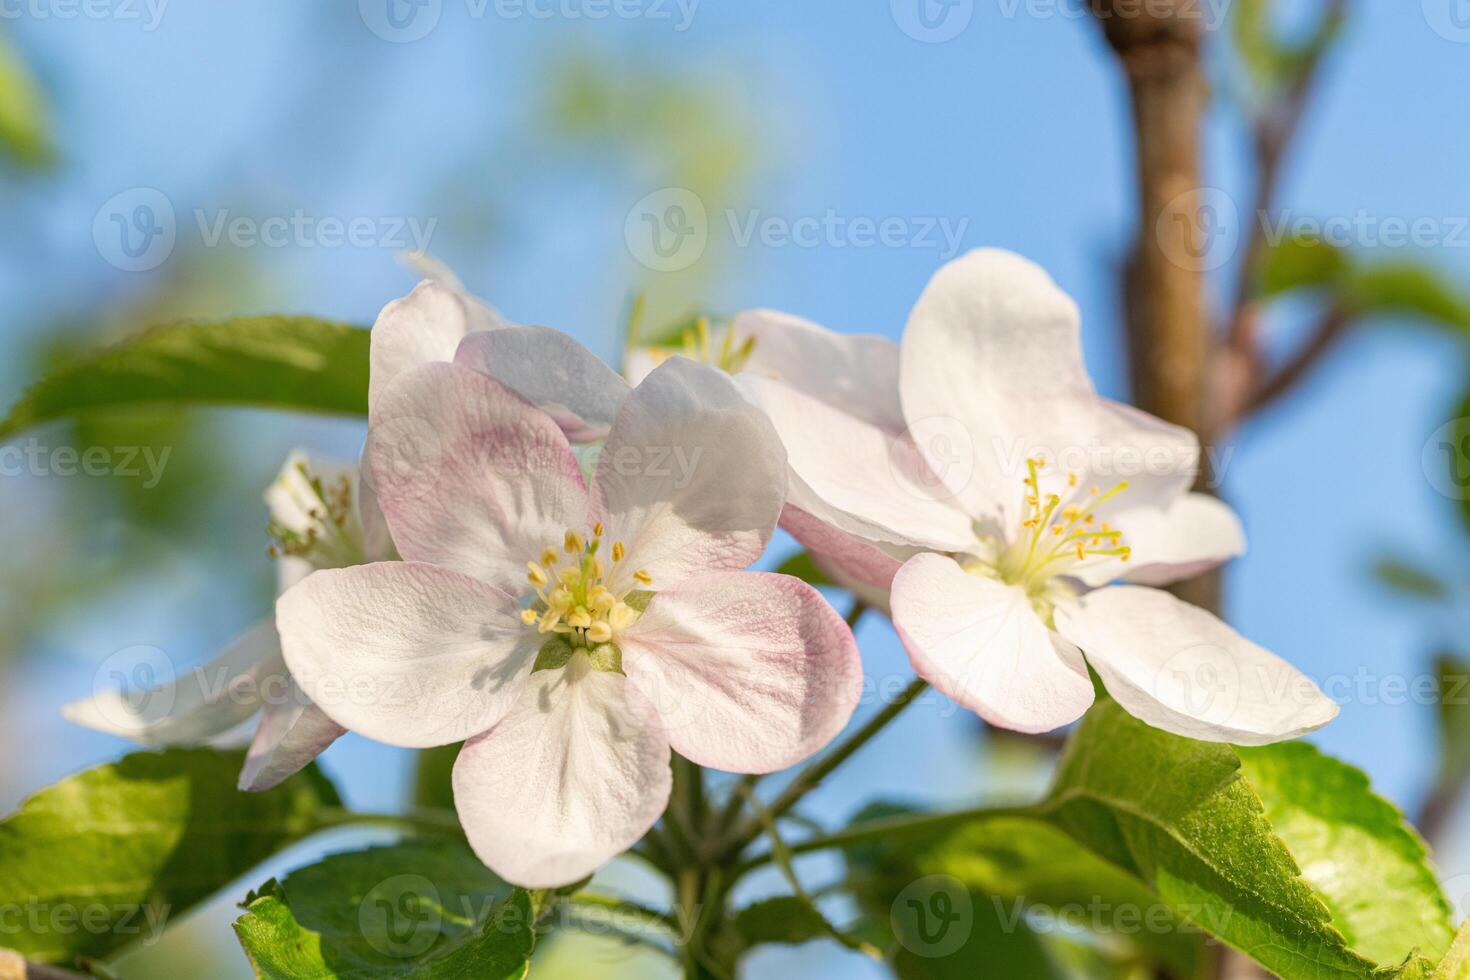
(980, 642)
(199, 703)
(991, 371)
(406, 653)
(857, 374)
(749, 671)
(1195, 533)
(857, 477)
(692, 477)
(291, 733)
(470, 475)
(423, 327)
(1179, 668)
(575, 775)
(553, 372)
(859, 566)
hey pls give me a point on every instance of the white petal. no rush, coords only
(405, 653)
(1194, 534)
(421, 328)
(691, 478)
(291, 733)
(991, 368)
(856, 476)
(202, 702)
(294, 504)
(575, 775)
(859, 566)
(470, 475)
(749, 671)
(980, 642)
(553, 372)
(481, 314)
(1179, 668)
(854, 373)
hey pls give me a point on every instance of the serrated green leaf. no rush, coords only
(1179, 815)
(1456, 964)
(425, 909)
(803, 567)
(105, 857)
(1355, 849)
(286, 362)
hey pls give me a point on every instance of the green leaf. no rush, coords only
(803, 567)
(1179, 815)
(995, 871)
(23, 115)
(783, 919)
(417, 908)
(1301, 263)
(1456, 964)
(286, 362)
(107, 856)
(1411, 579)
(1406, 289)
(1355, 849)
(606, 657)
(1452, 676)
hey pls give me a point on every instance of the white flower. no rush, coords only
(573, 634)
(1027, 493)
(315, 522)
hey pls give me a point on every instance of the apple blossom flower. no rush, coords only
(1041, 514)
(574, 634)
(315, 523)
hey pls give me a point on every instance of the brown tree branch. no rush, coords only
(1329, 329)
(14, 966)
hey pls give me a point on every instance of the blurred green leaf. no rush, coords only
(803, 567)
(783, 919)
(298, 363)
(1452, 677)
(107, 856)
(1356, 850)
(1404, 576)
(1301, 263)
(1406, 289)
(1275, 63)
(416, 908)
(1456, 964)
(23, 117)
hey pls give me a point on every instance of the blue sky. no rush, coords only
(1015, 131)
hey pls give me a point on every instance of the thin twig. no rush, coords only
(1329, 329)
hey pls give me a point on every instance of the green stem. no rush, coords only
(811, 777)
(884, 830)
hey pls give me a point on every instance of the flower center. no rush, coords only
(1057, 538)
(698, 345)
(572, 598)
(326, 530)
